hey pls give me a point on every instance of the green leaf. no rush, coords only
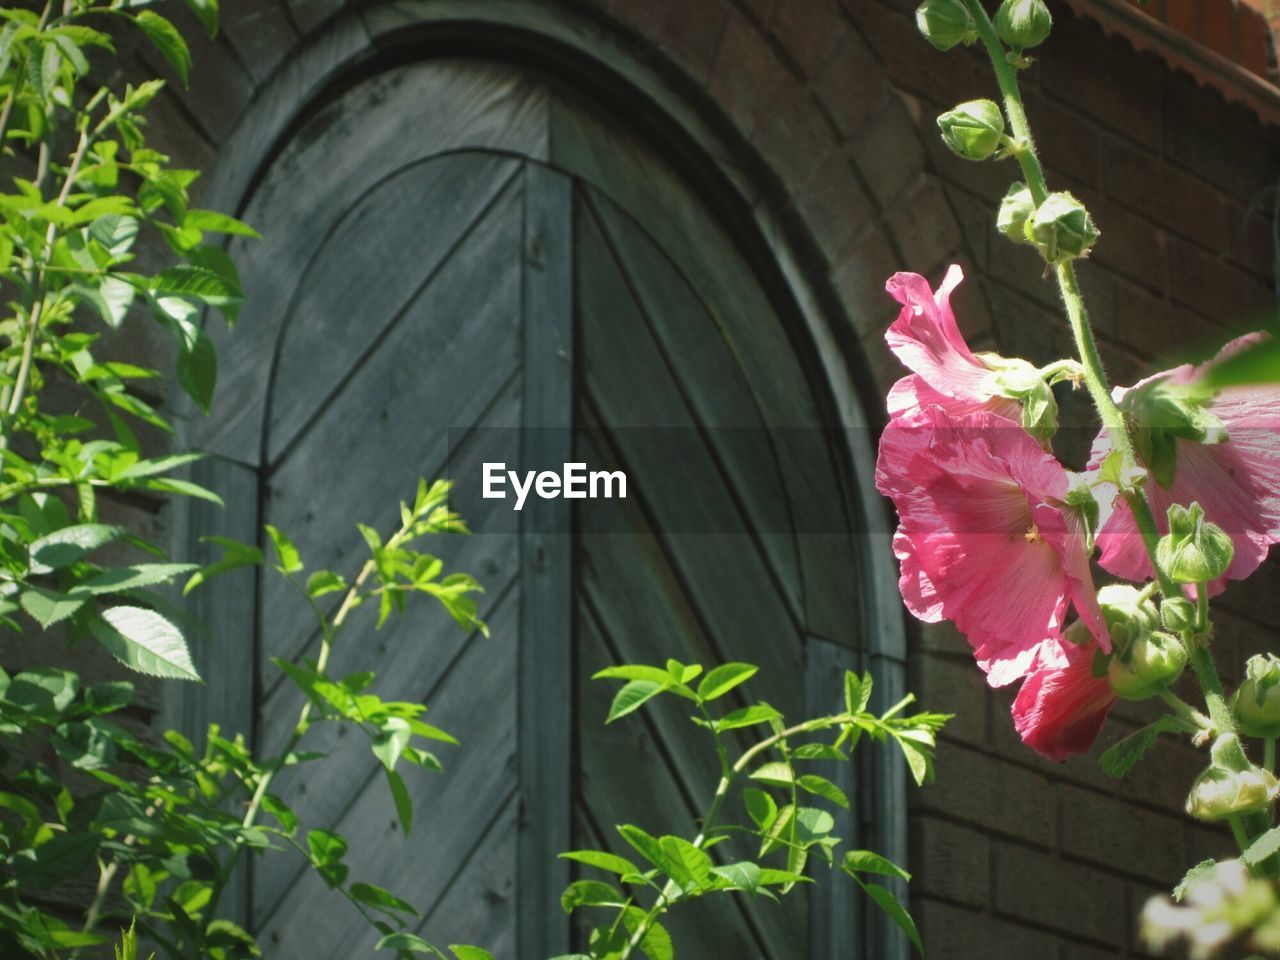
(198, 372)
(693, 866)
(1123, 756)
(602, 861)
(824, 788)
(168, 41)
(818, 751)
(286, 552)
(63, 857)
(207, 11)
(64, 547)
(115, 233)
(866, 861)
(400, 797)
(887, 902)
(647, 846)
(774, 773)
(632, 696)
(1257, 363)
(374, 896)
(590, 893)
(48, 607)
(391, 739)
(1201, 871)
(198, 283)
(744, 876)
(324, 581)
(747, 717)
(213, 222)
(1264, 846)
(121, 579)
(760, 807)
(463, 952)
(655, 675)
(72, 52)
(724, 678)
(282, 812)
(145, 641)
(406, 941)
(326, 846)
(857, 691)
(656, 943)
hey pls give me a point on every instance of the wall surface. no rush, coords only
(835, 103)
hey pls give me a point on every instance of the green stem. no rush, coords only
(1184, 710)
(1207, 676)
(1238, 831)
(1094, 377)
(1269, 754)
(713, 811)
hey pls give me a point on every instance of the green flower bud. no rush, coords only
(1062, 228)
(1015, 209)
(1177, 614)
(946, 23)
(1230, 785)
(973, 130)
(1194, 550)
(1019, 380)
(1023, 23)
(1130, 617)
(1256, 703)
(1148, 666)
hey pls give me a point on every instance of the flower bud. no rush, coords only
(1023, 23)
(1149, 665)
(1194, 550)
(1256, 703)
(945, 23)
(1015, 209)
(1062, 228)
(973, 130)
(1230, 785)
(1129, 616)
(1177, 614)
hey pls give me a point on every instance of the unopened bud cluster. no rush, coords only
(1145, 660)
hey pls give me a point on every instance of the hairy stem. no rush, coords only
(1184, 711)
(1207, 676)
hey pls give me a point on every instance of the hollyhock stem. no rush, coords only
(1207, 676)
(1269, 754)
(1094, 377)
(1185, 711)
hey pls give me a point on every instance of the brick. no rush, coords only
(808, 30)
(882, 367)
(953, 685)
(1113, 834)
(959, 934)
(1249, 239)
(924, 227)
(1253, 41)
(1024, 328)
(1150, 325)
(1217, 289)
(949, 861)
(309, 14)
(260, 32)
(888, 151)
(1131, 245)
(1183, 16)
(993, 795)
(912, 64)
(859, 279)
(1078, 900)
(850, 83)
(1066, 141)
(691, 33)
(746, 73)
(834, 205)
(1105, 78)
(1162, 193)
(793, 137)
(1219, 27)
(1220, 142)
(977, 220)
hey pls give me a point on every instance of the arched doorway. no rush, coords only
(459, 250)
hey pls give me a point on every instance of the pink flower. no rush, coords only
(926, 338)
(983, 539)
(1062, 706)
(1236, 482)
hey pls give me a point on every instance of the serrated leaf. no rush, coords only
(120, 579)
(1201, 871)
(724, 678)
(374, 896)
(775, 773)
(747, 717)
(744, 876)
(693, 865)
(48, 607)
(760, 807)
(286, 552)
(1264, 846)
(1123, 756)
(167, 40)
(406, 942)
(632, 696)
(887, 902)
(590, 893)
(145, 641)
(402, 800)
(866, 861)
(197, 372)
(391, 739)
(64, 547)
(602, 861)
(822, 787)
(464, 952)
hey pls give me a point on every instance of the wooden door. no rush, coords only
(459, 252)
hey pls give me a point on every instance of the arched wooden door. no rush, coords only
(462, 262)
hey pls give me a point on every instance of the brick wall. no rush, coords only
(1014, 857)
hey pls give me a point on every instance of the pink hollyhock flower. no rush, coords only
(983, 538)
(1237, 482)
(1062, 706)
(926, 338)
